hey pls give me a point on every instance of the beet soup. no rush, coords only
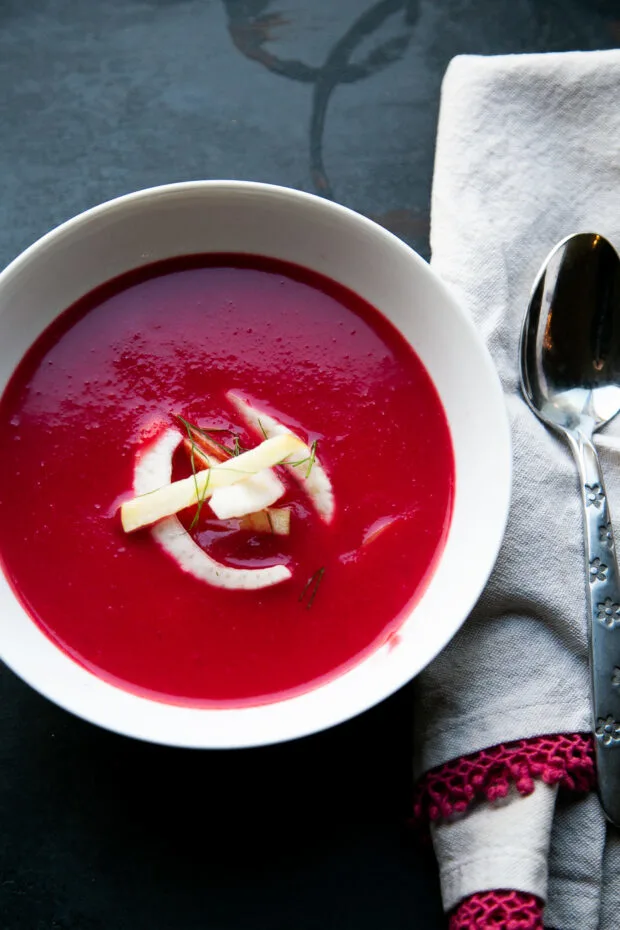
(184, 344)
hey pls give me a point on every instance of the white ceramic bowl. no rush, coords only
(227, 216)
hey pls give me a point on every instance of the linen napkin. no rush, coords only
(528, 151)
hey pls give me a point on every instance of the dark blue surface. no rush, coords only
(340, 97)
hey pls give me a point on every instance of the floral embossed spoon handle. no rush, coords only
(603, 596)
(570, 375)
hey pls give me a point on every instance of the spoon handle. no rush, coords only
(603, 589)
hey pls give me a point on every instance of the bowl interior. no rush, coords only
(243, 217)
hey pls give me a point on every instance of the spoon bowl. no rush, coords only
(570, 344)
(570, 377)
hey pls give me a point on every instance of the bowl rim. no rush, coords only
(307, 725)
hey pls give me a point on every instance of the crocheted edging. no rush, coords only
(491, 910)
(560, 759)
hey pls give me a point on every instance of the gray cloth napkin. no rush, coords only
(528, 151)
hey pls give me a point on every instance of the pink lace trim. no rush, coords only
(498, 910)
(564, 759)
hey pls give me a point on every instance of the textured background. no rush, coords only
(339, 97)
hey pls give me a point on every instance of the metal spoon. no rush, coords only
(570, 376)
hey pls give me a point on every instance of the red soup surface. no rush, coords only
(172, 338)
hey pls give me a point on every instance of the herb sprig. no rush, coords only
(229, 452)
(201, 496)
(314, 582)
(309, 458)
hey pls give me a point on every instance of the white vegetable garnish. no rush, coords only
(377, 528)
(254, 494)
(177, 495)
(257, 493)
(314, 479)
(153, 471)
(191, 558)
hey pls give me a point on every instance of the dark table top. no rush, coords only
(339, 97)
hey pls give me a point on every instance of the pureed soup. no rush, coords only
(217, 366)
